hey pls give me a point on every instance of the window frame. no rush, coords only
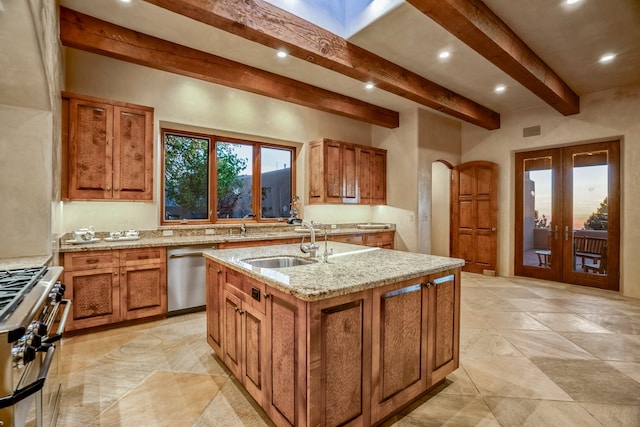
(213, 177)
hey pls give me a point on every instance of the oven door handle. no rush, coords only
(63, 321)
(32, 388)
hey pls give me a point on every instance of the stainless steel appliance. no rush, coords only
(186, 279)
(31, 326)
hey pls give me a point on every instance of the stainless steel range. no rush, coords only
(31, 326)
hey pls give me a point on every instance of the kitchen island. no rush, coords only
(350, 341)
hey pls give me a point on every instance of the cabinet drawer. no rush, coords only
(142, 256)
(354, 239)
(78, 261)
(250, 291)
(380, 239)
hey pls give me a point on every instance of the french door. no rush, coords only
(568, 214)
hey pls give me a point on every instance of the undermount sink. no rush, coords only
(278, 261)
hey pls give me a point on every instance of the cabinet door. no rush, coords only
(232, 335)
(379, 178)
(90, 153)
(95, 297)
(365, 161)
(215, 284)
(143, 291)
(445, 324)
(286, 384)
(399, 343)
(340, 361)
(132, 154)
(349, 173)
(253, 352)
(333, 172)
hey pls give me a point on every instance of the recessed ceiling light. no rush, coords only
(607, 57)
(500, 88)
(369, 86)
(125, 1)
(570, 2)
(281, 54)
(444, 54)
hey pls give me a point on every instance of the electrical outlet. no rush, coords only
(333, 226)
(167, 233)
(210, 231)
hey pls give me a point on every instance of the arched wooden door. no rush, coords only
(474, 215)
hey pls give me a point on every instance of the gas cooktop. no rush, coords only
(14, 285)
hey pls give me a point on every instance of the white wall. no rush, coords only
(207, 107)
(25, 181)
(607, 115)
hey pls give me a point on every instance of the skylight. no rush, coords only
(340, 17)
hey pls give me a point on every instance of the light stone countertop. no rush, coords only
(24, 262)
(204, 239)
(352, 268)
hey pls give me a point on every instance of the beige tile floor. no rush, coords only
(533, 353)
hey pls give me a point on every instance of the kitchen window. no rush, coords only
(209, 178)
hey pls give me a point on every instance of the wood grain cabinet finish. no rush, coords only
(108, 287)
(107, 149)
(340, 172)
(382, 240)
(143, 283)
(351, 360)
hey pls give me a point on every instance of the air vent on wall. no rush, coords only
(531, 131)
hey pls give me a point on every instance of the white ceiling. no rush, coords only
(569, 39)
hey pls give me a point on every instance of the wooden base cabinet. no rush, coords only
(112, 286)
(352, 360)
(416, 330)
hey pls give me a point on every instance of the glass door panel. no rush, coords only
(536, 210)
(590, 223)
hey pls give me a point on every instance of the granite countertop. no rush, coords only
(351, 268)
(206, 239)
(24, 262)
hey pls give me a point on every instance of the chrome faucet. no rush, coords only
(311, 248)
(243, 227)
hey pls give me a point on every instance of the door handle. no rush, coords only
(566, 232)
(556, 233)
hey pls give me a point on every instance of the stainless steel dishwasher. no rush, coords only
(186, 279)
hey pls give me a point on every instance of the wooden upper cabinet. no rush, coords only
(341, 172)
(108, 149)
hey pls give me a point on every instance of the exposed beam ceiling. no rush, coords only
(476, 25)
(263, 23)
(87, 33)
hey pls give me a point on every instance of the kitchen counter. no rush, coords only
(24, 262)
(205, 239)
(351, 268)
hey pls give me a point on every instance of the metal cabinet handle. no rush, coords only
(556, 233)
(92, 261)
(566, 232)
(143, 256)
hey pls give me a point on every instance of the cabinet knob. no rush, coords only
(266, 295)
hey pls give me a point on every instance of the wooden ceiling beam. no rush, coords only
(268, 25)
(87, 33)
(476, 25)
